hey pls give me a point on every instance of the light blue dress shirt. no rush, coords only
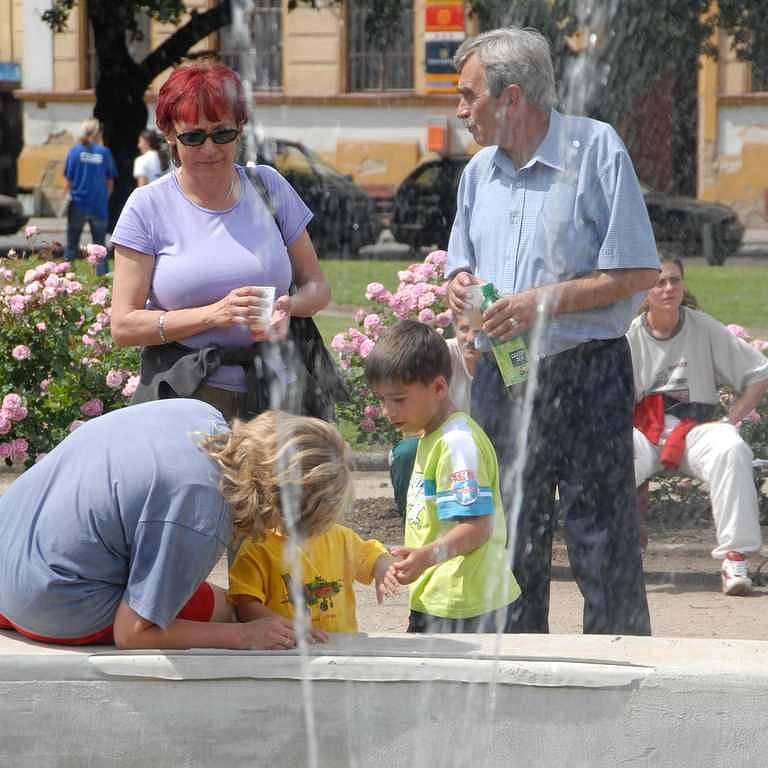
(573, 208)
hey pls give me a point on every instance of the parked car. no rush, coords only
(425, 205)
(345, 218)
(12, 217)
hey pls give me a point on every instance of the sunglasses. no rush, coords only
(197, 138)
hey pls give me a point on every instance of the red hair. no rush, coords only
(210, 88)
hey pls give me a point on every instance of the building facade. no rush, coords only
(313, 76)
(733, 135)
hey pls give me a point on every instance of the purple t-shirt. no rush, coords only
(201, 255)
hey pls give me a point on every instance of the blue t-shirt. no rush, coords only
(88, 168)
(127, 507)
(200, 254)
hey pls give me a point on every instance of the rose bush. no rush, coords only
(420, 295)
(58, 364)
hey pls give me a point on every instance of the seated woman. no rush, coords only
(111, 536)
(681, 357)
(200, 253)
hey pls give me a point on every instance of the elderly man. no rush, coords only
(550, 212)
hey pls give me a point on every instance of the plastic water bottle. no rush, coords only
(511, 356)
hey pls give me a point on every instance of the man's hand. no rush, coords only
(511, 315)
(457, 291)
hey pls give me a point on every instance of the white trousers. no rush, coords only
(715, 453)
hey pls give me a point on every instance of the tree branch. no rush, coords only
(176, 47)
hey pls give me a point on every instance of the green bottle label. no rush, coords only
(511, 356)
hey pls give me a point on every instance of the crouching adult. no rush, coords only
(681, 357)
(111, 536)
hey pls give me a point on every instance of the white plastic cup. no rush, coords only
(263, 308)
(474, 309)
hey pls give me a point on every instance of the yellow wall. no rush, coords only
(731, 168)
(313, 45)
(69, 54)
(11, 34)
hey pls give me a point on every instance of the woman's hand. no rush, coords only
(241, 306)
(272, 633)
(277, 330)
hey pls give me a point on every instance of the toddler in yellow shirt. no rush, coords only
(260, 578)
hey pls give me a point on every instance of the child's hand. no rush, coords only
(317, 636)
(412, 563)
(272, 633)
(387, 584)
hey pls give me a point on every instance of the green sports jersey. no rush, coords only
(455, 477)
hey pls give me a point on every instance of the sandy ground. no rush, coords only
(683, 587)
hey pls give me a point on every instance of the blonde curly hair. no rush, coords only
(282, 472)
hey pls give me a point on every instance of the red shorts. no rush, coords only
(199, 607)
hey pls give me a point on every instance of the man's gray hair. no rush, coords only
(513, 56)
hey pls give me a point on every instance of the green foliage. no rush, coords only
(58, 364)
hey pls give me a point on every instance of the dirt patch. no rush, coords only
(377, 519)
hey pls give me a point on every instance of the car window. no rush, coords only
(323, 168)
(289, 158)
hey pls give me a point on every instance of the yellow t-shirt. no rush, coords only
(330, 563)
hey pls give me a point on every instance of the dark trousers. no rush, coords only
(76, 220)
(492, 622)
(579, 441)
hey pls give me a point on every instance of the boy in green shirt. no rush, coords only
(455, 556)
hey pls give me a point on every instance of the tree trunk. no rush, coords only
(122, 84)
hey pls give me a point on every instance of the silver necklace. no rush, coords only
(230, 190)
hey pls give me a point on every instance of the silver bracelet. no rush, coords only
(161, 327)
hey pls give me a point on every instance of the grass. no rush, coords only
(349, 279)
(732, 294)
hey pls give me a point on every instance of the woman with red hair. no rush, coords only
(201, 252)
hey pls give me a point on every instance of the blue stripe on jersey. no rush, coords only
(448, 508)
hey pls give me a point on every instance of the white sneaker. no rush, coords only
(734, 574)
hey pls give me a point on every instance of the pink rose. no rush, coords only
(444, 319)
(44, 384)
(114, 379)
(368, 425)
(738, 330)
(96, 252)
(92, 407)
(75, 424)
(21, 352)
(32, 288)
(753, 416)
(72, 286)
(366, 347)
(130, 386)
(372, 412)
(12, 401)
(360, 314)
(372, 322)
(5, 424)
(49, 293)
(18, 414)
(5, 450)
(426, 300)
(17, 304)
(30, 275)
(427, 316)
(100, 295)
(437, 258)
(31, 231)
(339, 342)
(41, 326)
(62, 268)
(374, 291)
